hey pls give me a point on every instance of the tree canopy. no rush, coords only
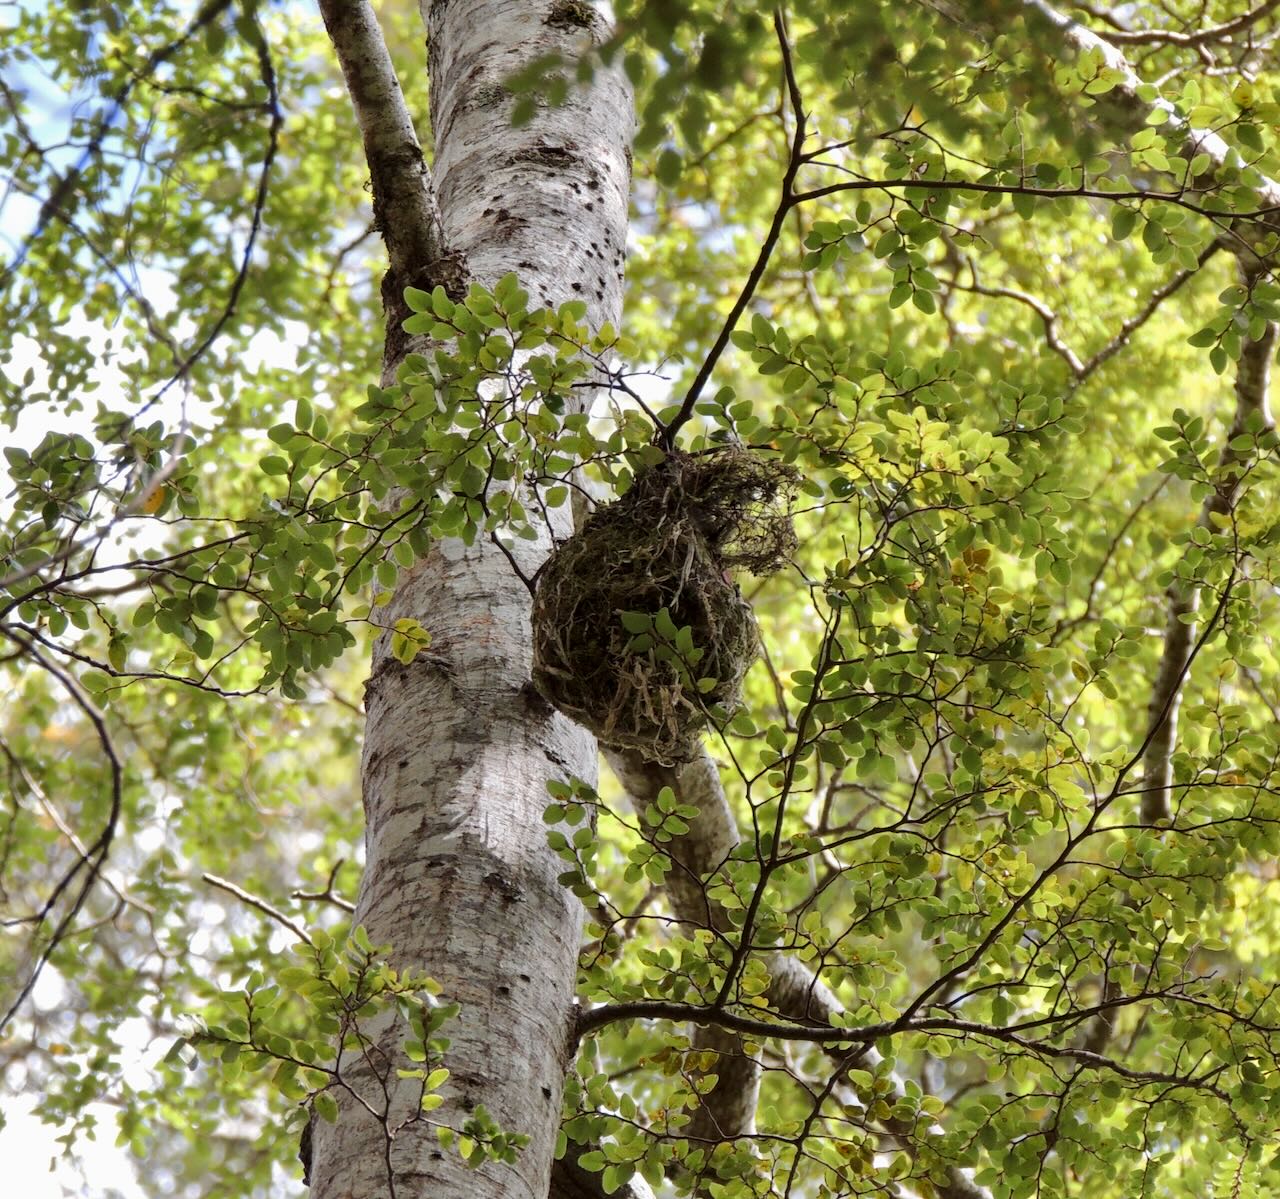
(974, 893)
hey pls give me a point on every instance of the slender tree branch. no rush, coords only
(261, 905)
(404, 199)
(95, 855)
(1252, 381)
(786, 201)
(1201, 37)
(1146, 312)
(69, 184)
(794, 991)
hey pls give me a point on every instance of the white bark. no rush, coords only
(458, 747)
(549, 200)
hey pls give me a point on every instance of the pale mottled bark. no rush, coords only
(458, 747)
(549, 200)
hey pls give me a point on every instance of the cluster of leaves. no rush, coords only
(308, 1025)
(936, 775)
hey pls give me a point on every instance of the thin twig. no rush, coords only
(254, 901)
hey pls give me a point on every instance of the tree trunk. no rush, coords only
(458, 747)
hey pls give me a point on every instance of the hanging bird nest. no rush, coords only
(638, 629)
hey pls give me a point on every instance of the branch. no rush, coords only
(1252, 380)
(1169, 37)
(268, 74)
(728, 1110)
(405, 209)
(328, 895)
(94, 856)
(1146, 312)
(260, 904)
(786, 202)
(658, 1009)
(794, 991)
(1178, 198)
(69, 185)
(1123, 107)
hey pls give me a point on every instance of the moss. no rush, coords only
(663, 551)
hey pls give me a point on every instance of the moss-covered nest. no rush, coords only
(638, 628)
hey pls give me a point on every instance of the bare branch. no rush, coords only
(1201, 37)
(786, 202)
(260, 904)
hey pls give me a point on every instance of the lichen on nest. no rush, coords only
(661, 555)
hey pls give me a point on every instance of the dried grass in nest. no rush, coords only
(661, 551)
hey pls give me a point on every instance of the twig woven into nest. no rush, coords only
(661, 554)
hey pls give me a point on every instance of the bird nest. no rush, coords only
(639, 632)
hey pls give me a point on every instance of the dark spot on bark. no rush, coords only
(550, 754)
(503, 989)
(524, 978)
(488, 95)
(546, 1091)
(508, 888)
(570, 14)
(544, 154)
(588, 206)
(304, 1150)
(400, 765)
(577, 286)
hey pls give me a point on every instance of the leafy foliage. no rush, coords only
(982, 288)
